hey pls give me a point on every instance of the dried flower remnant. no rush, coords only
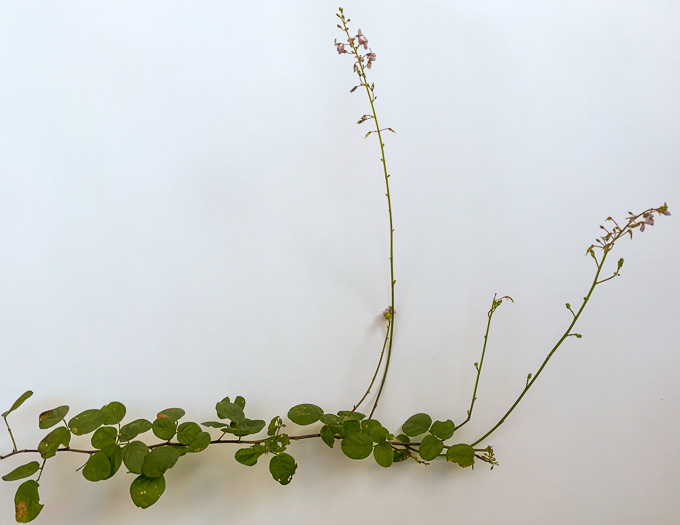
(388, 313)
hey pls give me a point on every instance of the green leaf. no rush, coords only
(159, 460)
(172, 413)
(133, 429)
(345, 414)
(282, 468)
(305, 414)
(443, 429)
(403, 438)
(327, 435)
(104, 436)
(97, 467)
(50, 418)
(357, 445)
(228, 410)
(23, 397)
(165, 428)
(86, 422)
(383, 454)
(133, 456)
(245, 427)
(115, 455)
(401, 454)
(187, 432)
(462, 454)
(113, 413)
(249, 456)
(430, 447)
(146, 491)
(351, 426)
(199, 443)
(23, 471)
(215, 424)
(277, 444)
(375, 430)
(275, 425)
(240, 401)
(331, 419)
(50, 443)
(27, 502)
(416, 425)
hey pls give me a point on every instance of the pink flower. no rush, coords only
(363, 41)
(648, 219)
(339, 46)
(371, 58)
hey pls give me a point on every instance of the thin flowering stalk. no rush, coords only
(360, 69)
(606, 244)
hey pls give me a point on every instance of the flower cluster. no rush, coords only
(355, 43)
(648, 216)
(641, 220)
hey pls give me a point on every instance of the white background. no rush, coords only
(188, 210)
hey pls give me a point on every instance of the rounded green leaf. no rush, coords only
(375, 430)
(27, 502)
(282, 468)
(200, 442)
(23, 397)
(165, 428)
(22, 472)
(245, 427)
(416, 425)
(357, 445)
(115, 455)
(159, 460)
(351, 426)
(146, 491)
(430, 447)
(50, 443)
(305, 414)
(403, 438)
(49, 418)
(462, 454)
(172, 413)
(249, 456)
(104, 436)
(240, 401)
(133, 456)
(383, 454)
(97, 467)
(86, 422)
(187, 432)
(113, 413)
(327, 435)
(228, 410)
(346, 414)
(134, 428)
(443, 429)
